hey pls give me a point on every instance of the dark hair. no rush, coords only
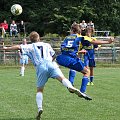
(83, 32)
(87, 30)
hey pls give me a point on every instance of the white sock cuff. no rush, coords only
(67, 83)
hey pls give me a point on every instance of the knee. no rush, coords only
(40, 89)
(86, 72)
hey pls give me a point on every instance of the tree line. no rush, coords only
(56, 16)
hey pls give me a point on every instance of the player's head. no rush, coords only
(75, 28)
(87, 32)
(34, 37)
(24, 41)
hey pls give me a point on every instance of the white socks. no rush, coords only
(22, 71)
(39, 99)
(67, 83)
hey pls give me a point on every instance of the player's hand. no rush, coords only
(4, 48)
(83, 51)
(111, 40)
(97, 49)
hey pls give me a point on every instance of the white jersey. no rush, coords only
(38, 52)
(23, 47)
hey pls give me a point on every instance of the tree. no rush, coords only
(56, 16)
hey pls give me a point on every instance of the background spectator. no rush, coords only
(91, 26)
(21, 28)
(13, 28)
(4, 27)
(83, 25)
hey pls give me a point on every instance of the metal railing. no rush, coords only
(107, 53)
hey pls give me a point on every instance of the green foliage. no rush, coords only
(49, 35)
(56, 16)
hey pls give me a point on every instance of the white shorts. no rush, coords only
(24, 59)
(47, 70)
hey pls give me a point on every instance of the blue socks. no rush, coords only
(72, 74)
(91, 78)
(85, 80)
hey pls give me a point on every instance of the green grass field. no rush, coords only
(17, 97)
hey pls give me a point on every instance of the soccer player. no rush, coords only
(69, 54)
(42, 56)
(23, 58)
(89, 57)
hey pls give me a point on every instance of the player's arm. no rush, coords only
(99, 42)
(83, 51)
(54, 57)
(15, 47)
(19, 53)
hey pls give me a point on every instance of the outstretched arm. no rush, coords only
(99, 42)
(15, 47)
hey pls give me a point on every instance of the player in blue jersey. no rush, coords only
(69, 54)
(89, 57)
(23, 58)
(42, 56)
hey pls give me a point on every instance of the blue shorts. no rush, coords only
(46, 70)
(24, 59)
(89, 62)
(70, 62)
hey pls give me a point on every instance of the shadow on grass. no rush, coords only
(17, 118)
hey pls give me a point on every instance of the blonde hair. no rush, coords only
(34, 37)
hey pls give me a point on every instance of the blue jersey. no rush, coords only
(69, 49)
(90, 55)
(71, 44)
(87, 45)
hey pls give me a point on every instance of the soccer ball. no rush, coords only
(16, 9)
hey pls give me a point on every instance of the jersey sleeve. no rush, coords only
(86, 41)
(96, 46)
(24, 49)
(52, 52)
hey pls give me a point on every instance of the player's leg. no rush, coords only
(72, 89)
(72, 63)
(92, 65)
(25, 62)
(39, 101)
(85, 79)
(72, 74)
(79, 66)
(86, 63)
(56, 73)
(42, 78)
(91, 75)
(22, 68)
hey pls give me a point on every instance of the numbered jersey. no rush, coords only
(71, 44)
(38, 52)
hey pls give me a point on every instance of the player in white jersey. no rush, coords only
(23, 58)
(42, 56)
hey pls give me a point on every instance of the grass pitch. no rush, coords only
(17, 96)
